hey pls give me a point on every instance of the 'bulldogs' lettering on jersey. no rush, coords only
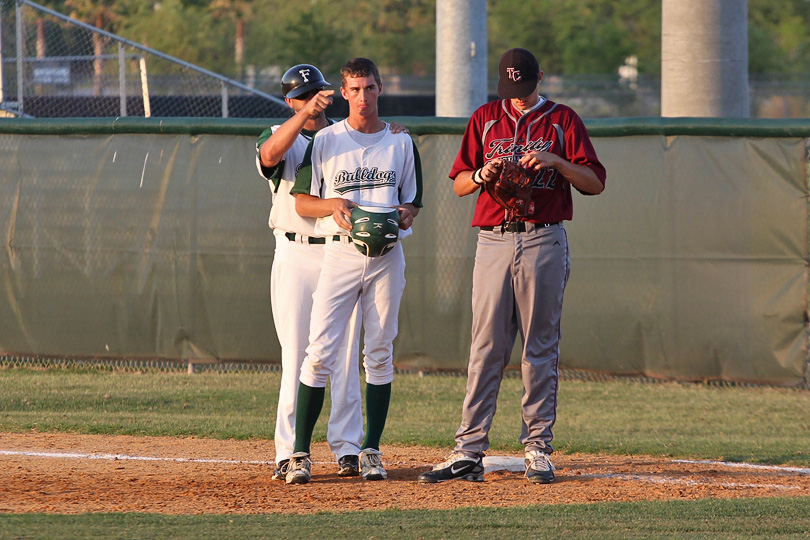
(363, 178)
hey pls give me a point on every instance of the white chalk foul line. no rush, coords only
(495, 463)
(124, 457)
(799, 470)
(670, 480)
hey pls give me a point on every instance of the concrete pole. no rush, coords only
(461, 56)
(704, 58)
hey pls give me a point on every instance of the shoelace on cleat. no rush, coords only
(300, 464)
(374, 460)
(540, 462)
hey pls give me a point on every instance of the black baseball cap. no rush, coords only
(518, 71)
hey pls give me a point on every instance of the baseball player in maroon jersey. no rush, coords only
(521, 264)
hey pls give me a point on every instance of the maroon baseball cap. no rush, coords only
(517, 74)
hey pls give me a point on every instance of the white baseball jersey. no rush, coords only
(283, 217)
(293, 278)
(383, 174)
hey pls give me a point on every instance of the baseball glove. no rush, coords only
(512, 189)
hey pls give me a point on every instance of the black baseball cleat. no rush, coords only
(349, 465)
(539, 469)
(457, 467)
(281, 470)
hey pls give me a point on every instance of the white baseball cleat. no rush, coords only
(298, 470)
(539, 468)
(371, 467)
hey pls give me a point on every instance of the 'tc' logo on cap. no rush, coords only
(513, 74)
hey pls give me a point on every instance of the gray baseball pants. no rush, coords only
(518, 285)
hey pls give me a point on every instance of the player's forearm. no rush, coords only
(468, 182)
(463, 183)
(581, 177)
(311, 206)
(314, 207)
(274, 148)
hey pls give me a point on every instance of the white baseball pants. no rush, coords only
(293, 279)
(346, 276)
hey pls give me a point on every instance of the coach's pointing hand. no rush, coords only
(319, 103)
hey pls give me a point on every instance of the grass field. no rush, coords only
(694, 421)
(787, 518)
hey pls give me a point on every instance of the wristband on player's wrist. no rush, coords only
(480, 181)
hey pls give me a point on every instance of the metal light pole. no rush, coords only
(461, 56)
(704, 58)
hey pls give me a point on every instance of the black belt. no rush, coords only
(293, 237)
(518, 226)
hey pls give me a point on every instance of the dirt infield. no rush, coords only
(65, 473)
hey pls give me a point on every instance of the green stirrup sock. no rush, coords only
(308, 409)
(378, 397)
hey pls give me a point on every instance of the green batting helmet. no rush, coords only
(375, 229)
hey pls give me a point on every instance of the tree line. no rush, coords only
(232, 37)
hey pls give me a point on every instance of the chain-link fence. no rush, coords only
(67, 68)
(55, 66)
(168, 366)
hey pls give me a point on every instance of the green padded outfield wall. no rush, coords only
(147, 239)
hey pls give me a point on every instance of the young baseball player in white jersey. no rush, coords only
(354, 162)
(294, 275)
